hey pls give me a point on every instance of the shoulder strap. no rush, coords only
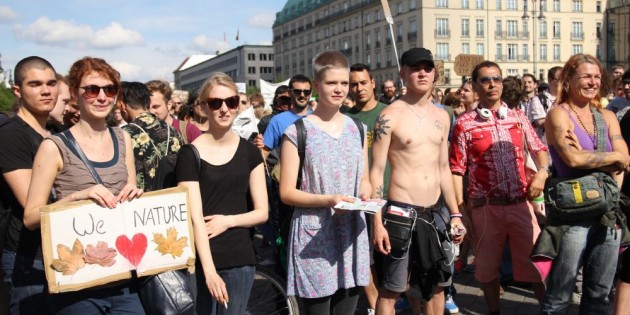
(182, 130)
(359, 124)
(197, 157)
(600, 128)
(70, 142)
(301, 146)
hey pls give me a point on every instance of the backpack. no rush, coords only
(165, 171)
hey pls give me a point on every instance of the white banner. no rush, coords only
(267, 89)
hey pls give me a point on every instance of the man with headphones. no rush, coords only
(488, 144)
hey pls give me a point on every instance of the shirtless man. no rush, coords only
(408, 133)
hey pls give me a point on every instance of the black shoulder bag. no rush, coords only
(586, 197)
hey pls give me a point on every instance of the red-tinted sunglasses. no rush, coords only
(215, 103)
(91, 91)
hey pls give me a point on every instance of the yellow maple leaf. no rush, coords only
(170, 244)
(70, 261)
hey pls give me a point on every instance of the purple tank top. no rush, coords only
(587, 145)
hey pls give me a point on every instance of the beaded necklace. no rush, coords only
(592, 137)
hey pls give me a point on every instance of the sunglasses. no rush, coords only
(495, 79)
(215, 103)
(284, 99)
(92, 91)
(298, 92)
(244, 102)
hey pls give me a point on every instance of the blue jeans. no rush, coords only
(26, 281)
(238, 281)
(594, 246)
(120, 299)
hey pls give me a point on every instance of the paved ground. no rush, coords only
(515, 301)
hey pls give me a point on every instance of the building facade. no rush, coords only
(616, 36)
(245, 64)
(522, 36)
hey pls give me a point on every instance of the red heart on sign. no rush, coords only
(133, 249)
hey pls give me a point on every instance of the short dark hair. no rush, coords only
(136, 95)
(531, 76)
(299, 78)
(29, 63)
(279, 90)
(360, 67)
(551, 74)
(484, 64)
(625, 75)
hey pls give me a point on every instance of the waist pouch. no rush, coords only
(581, 198)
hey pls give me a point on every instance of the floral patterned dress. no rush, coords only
(328, 251)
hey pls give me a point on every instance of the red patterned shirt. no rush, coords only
(492, 153)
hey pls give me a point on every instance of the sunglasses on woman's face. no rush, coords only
(215, 103)
(92, 91)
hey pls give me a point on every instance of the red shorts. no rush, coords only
(493, 226)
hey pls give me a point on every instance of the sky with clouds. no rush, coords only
(143, 39)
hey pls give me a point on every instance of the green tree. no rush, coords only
(6, 99)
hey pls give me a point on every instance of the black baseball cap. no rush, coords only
(414, 56)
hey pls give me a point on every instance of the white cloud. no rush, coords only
(69, 34)
(128, 71)
(7, 15)
(262, 20)
(205, 45)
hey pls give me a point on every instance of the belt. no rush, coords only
(496, 201)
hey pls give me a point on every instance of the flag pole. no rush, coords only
(390, 20)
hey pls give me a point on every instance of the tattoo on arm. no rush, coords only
(597, 159)
(380, 127)
(379, 191)
(616, 138)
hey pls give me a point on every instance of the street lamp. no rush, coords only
(540, 17)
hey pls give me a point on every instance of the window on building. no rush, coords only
(480, 50)
(556, 5)
(525, 29)
(412, 4)
(525, 52)
(251, 70)
(447, 76)
(378, 38)
(377, 15)
(368, 40)
(441, 27)
(598, 30)
(441, 3)
(542, 29)
(498, 5)
(543, 5)
(556, 29)
(556, 52)
(499, 28)
(368, 18)
(262, 57)
(399, 33)
(389, 58)
(499, 52)
(465, 4)
(576, 49)
(442, 51)
(413, 28)
(512, 52)
(480, 4)
(465, 48)
(512, 72)
(576, 6)
(577, 32)
(251, 83)
(378, 59)
(510, 4)
(466, 27)
(251, 57)
(270, 57)
(543, 52)
(598, 52)
(399, 7)
(480, 28)
(598, 7)
(512, 28)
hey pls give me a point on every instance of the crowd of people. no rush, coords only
(459, 170)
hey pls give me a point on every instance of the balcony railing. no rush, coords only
(412, 35)
(577, 35)
(443, 57)
(442, 33)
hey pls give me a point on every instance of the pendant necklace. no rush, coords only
(592, 137)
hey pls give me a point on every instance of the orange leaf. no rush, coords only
(170, 244)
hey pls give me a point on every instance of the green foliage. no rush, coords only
(6, 99)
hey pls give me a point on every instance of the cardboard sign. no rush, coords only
(86, 245)
(464, 64)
